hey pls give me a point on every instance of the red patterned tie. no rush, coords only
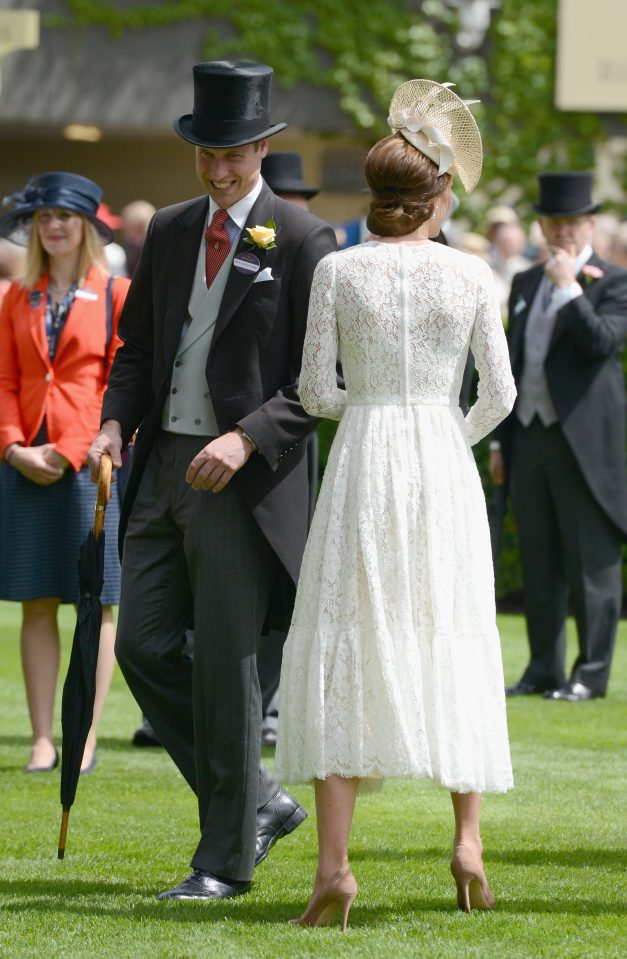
(218, 245)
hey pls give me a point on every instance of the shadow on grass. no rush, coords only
(111, 743)
(105, 743)
(612, 859)
(65, 897)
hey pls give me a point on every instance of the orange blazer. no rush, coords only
(67, 391)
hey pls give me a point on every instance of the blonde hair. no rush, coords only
(91, 254)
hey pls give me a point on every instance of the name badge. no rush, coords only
(86, 295)
(246, 263)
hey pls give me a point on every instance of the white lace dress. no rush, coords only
(392, 666)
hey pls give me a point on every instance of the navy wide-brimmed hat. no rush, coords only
(283, 172)
(62, 191)
(231, 99)
(565, 194)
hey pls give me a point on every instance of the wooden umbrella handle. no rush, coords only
(103, 494)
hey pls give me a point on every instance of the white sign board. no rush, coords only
(592, 55)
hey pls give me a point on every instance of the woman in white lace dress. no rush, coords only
(392, 667)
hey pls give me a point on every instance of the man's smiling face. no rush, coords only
(229, 173)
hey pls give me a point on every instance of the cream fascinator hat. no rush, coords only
(439, 124)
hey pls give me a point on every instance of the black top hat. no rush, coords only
(63, 191)
(565, 194)
(230, 105)
(283, 172)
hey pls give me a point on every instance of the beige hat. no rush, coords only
(439, 124)
(501, 214)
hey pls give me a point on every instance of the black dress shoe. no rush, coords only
(269, 730)
(203, 885)
(574, 693)
(523, 688)
(145, 735)
(280, 816)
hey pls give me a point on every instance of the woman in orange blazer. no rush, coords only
(57, 342)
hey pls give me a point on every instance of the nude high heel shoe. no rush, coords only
(473, 891)
(328, 899)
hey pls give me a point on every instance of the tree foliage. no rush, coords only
(364, 51)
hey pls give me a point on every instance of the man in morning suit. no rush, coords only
(563, 446)
(214, 520)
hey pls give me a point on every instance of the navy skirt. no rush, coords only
(41, 531)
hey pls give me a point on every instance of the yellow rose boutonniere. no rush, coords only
(262, 237)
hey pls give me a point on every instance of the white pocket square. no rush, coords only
(520, 305)
(264, 276)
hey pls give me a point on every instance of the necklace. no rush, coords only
(59, 289)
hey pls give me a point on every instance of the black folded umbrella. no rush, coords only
(497, 508)
(79, 689)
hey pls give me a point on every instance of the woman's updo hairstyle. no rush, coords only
(404, 184)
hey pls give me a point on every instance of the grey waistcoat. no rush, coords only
(533, 389)
(188, 408)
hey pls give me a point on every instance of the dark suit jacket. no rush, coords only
(585, 377)
(252, 368)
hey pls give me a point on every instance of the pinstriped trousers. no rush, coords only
(199, 557)
(568, 546)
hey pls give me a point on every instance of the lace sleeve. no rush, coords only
(497, 391)
(318, 389)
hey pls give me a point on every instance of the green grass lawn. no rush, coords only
(555, 847)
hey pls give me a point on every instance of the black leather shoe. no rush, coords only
(145, 735)
(574, 693)
(269, 730)
(523, 688)
(203, 885)
(280, 816)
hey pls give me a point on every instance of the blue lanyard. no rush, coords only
(56, 317)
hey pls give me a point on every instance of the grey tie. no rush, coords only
(549, 289)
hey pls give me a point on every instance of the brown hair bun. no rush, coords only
(404, 184)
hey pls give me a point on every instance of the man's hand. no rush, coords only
(560, 268)
(39, 464)
(218, 462)
(497, 467)
(109, 440)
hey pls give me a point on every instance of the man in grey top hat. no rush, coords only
(563, 446)
(214, 519)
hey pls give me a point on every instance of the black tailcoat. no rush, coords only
(585, 377)
(252, 368)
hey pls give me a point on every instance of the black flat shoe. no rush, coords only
(574, 693)
(280, 816)
(203, 885)
(44, 769)
(91, 765)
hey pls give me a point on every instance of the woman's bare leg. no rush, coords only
(104, 672)
(334, 886)
(40, 650)
(473, 891)
(467, 811)
(335, 804)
